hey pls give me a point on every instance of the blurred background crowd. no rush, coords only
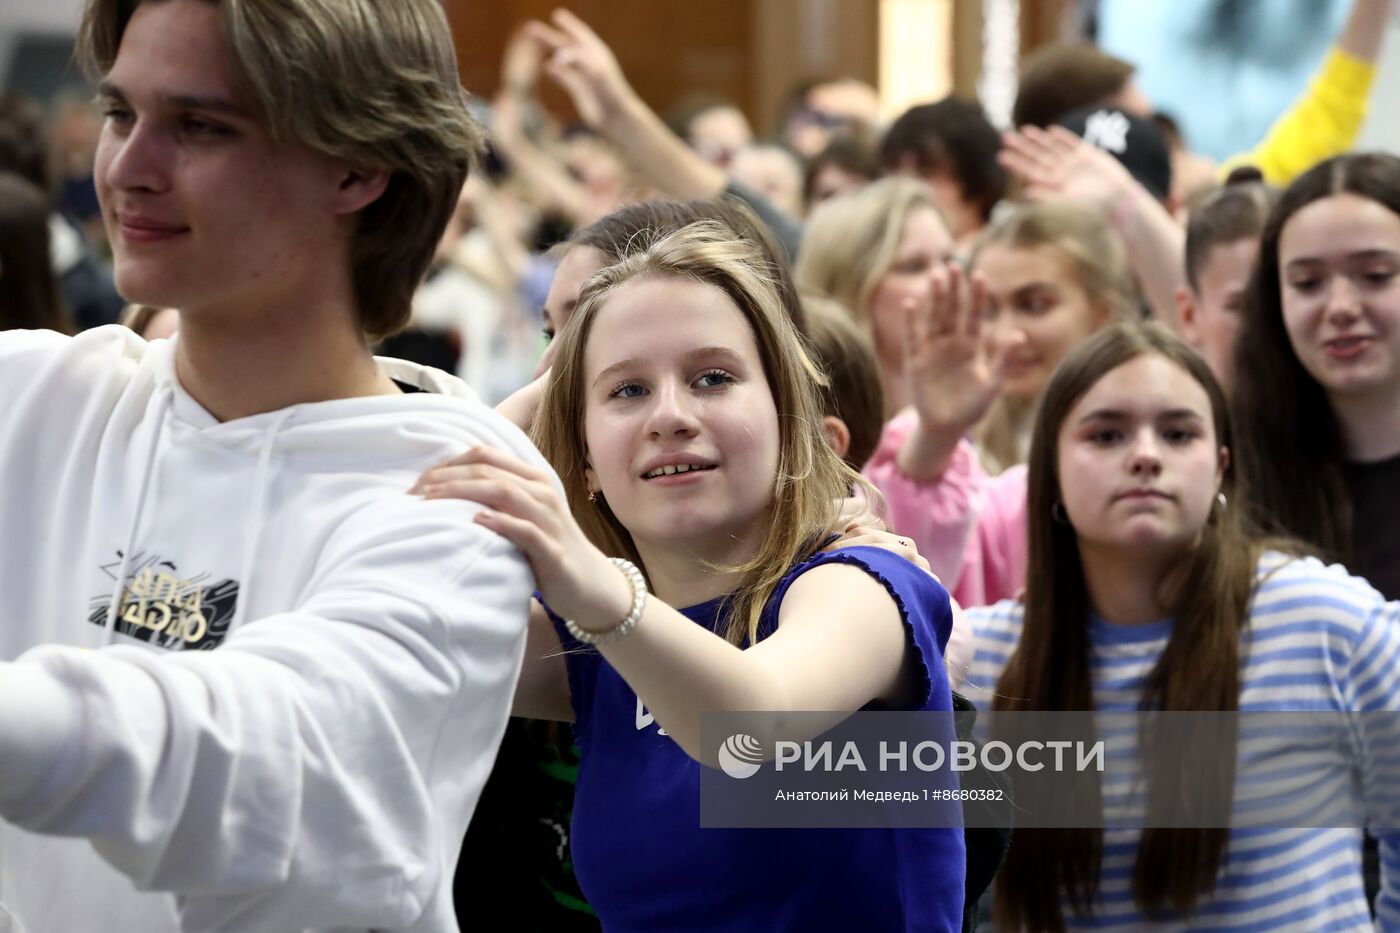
(786, 102)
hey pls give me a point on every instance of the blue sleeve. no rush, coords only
(923, 606)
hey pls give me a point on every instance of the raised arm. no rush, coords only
(1327, 118)
(1055, 163)
(584, 65)
(1365, 29)
(582, 62)
(924, 466)
(545, 177)
(954, 373)
(840, 641)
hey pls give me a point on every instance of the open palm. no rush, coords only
(584, 65)
(1055, 164)
(954, 371)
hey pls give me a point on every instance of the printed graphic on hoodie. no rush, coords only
(162, 607)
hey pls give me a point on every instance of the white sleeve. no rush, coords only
(61, 387)
(23, 353)
(313, 770)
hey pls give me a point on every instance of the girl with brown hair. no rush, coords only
(1145, 591)
(1317, 371)
(29, 294)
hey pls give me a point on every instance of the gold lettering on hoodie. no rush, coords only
(163, 602)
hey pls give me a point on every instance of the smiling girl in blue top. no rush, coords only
(683, 419)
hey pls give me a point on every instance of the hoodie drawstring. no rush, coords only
(166, 400)
(255, 519)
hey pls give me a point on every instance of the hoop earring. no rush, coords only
(1057, 512)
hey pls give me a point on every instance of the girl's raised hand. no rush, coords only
(584, 65)
(954, 373)
(1054, 163)
(522, 505)
(520, 66)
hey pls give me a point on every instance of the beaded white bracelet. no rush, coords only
(623, 628)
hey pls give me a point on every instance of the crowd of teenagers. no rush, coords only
(338, 600)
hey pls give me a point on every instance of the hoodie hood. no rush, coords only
(371, 434)
(326, 435)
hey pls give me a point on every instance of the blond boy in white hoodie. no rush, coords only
(246, 682)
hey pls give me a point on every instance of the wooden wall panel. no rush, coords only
(750, 51)
(801, 40)
(1043, 21)
(967, 47)
(666, 48)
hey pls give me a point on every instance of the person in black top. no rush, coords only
(1317, 386)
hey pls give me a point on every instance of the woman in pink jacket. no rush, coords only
(976, 360)
(934, 482)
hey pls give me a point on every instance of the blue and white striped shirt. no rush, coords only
(1318, 639)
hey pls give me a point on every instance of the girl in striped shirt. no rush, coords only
(1145, 591)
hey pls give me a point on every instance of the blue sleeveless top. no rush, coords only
(645, 864)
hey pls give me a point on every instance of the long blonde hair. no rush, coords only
(1099, 263)
(810, 478)
(849, 242)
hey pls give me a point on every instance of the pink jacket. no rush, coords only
(969, 526)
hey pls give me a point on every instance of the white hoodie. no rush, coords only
(319, 769)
